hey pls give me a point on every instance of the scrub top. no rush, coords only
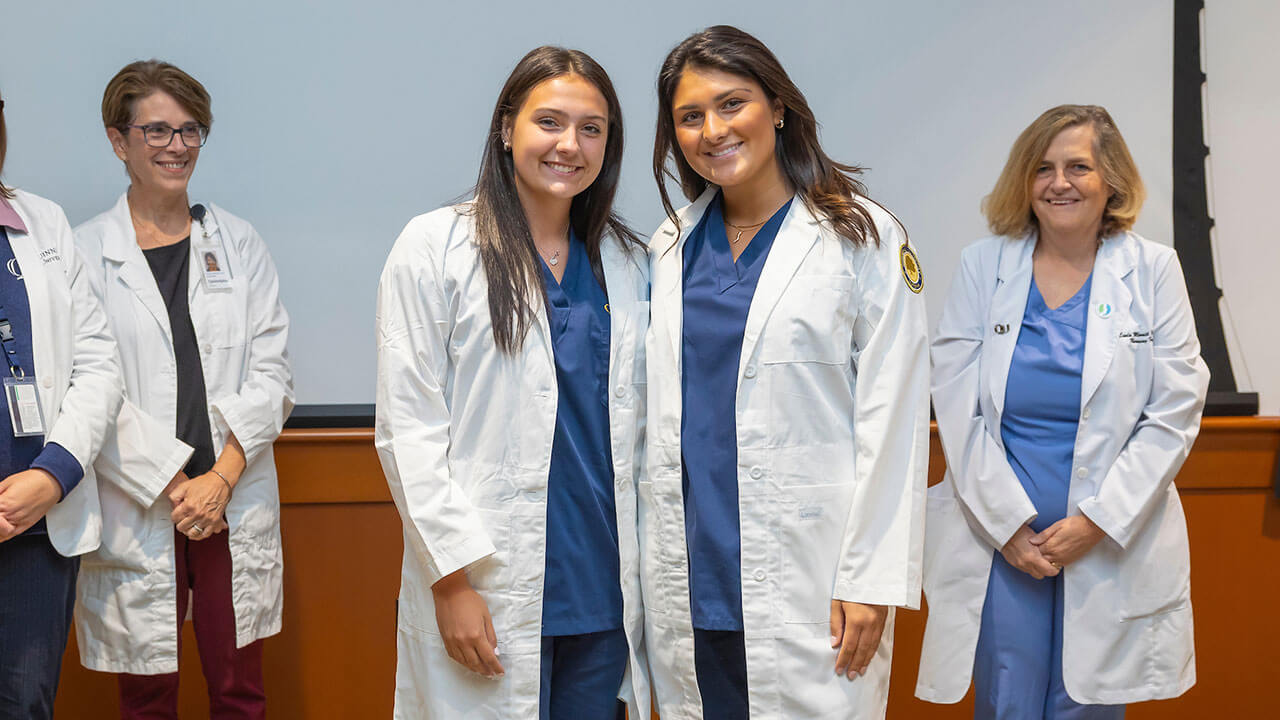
(1042, 400)
(717, 297)
(582, 589)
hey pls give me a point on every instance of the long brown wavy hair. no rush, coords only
(830, 189)
(511, 262)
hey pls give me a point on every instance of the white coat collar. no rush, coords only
(1109, 300)
(120, 245)
(798, 233)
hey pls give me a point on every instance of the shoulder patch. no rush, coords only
(911, 272)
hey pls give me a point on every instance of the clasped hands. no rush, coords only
(1044, 554)
(199, 504)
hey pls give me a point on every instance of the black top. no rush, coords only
(170, 266)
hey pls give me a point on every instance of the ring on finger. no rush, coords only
(1057, 565)
(197, 529)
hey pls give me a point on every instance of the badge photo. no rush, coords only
(213, 265)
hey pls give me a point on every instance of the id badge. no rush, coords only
(25, 413)
(213, 263)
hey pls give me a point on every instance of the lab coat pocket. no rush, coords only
(810, 533)
(811, 322)
(1153, 588)
(661, 523)
(491, 576)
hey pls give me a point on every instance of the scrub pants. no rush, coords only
(37, 596)
(1017, 673)
(581, 675)
(234, 675)
(720, 661)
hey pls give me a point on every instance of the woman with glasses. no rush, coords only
(509, 418)
(189, 497)
(61, 392)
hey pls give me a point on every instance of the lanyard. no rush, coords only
(10, 345)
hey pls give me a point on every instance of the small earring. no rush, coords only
(506, 146)
(781, 122)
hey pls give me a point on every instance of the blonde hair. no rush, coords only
(139, 79)
(1008, 207)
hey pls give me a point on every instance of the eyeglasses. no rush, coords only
(158, 136)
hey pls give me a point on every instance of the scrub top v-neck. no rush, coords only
(582, 590)
(717, 298)
(1042, 400)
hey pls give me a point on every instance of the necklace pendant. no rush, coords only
(554, 259)
(737, 237)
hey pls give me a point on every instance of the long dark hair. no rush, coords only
(4, 146)
(511, 262)
(830, 189)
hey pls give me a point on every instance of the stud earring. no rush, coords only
(781, 122)
(506, 146)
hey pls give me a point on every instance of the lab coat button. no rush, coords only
(1082, 473)
(619, 391)
(47, 382)
(1084, 414)
(756, 472)
(760, 576)
(206, 349)
(750, 371)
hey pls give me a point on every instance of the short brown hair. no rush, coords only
(1008, 207)
(5, 192)
(139, 79)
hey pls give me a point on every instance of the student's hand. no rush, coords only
(170, 491)
(465, 625)
(25, 497)
(1023, 554)
(1067, 540)
(856, 630)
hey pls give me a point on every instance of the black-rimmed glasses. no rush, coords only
(158, 135)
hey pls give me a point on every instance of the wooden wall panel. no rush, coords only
(335, 657)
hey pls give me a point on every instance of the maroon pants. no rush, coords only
(234, 675)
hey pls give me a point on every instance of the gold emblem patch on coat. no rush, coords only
(911, 271)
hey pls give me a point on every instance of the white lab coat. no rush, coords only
(75, 361)
(833, 437)
(126, 606)
(1127, 628)
(464, 433)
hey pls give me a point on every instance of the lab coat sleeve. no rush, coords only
(984, 482)
(883, 541)
(97, 385)
(1163, 436)
(140, 455)
(256, 413)
(412, 415)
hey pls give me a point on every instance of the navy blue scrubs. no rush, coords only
(39, 583)
(584, 648)
(1017, 671)
(717, 298)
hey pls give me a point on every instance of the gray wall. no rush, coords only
(335, 122)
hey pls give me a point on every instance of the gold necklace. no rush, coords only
(741, 228)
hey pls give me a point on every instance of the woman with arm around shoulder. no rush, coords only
(61, 393)
(781, 519)
(188, 479)
(510, 414)
(1068, 388)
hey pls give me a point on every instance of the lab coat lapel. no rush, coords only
(797, 235)
(121, 245)
(35, 283)
(668, 266)
(1004, 321)
(1109, 301)
(613, 261)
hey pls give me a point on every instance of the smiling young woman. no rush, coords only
(786, 459)
(511, 350)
